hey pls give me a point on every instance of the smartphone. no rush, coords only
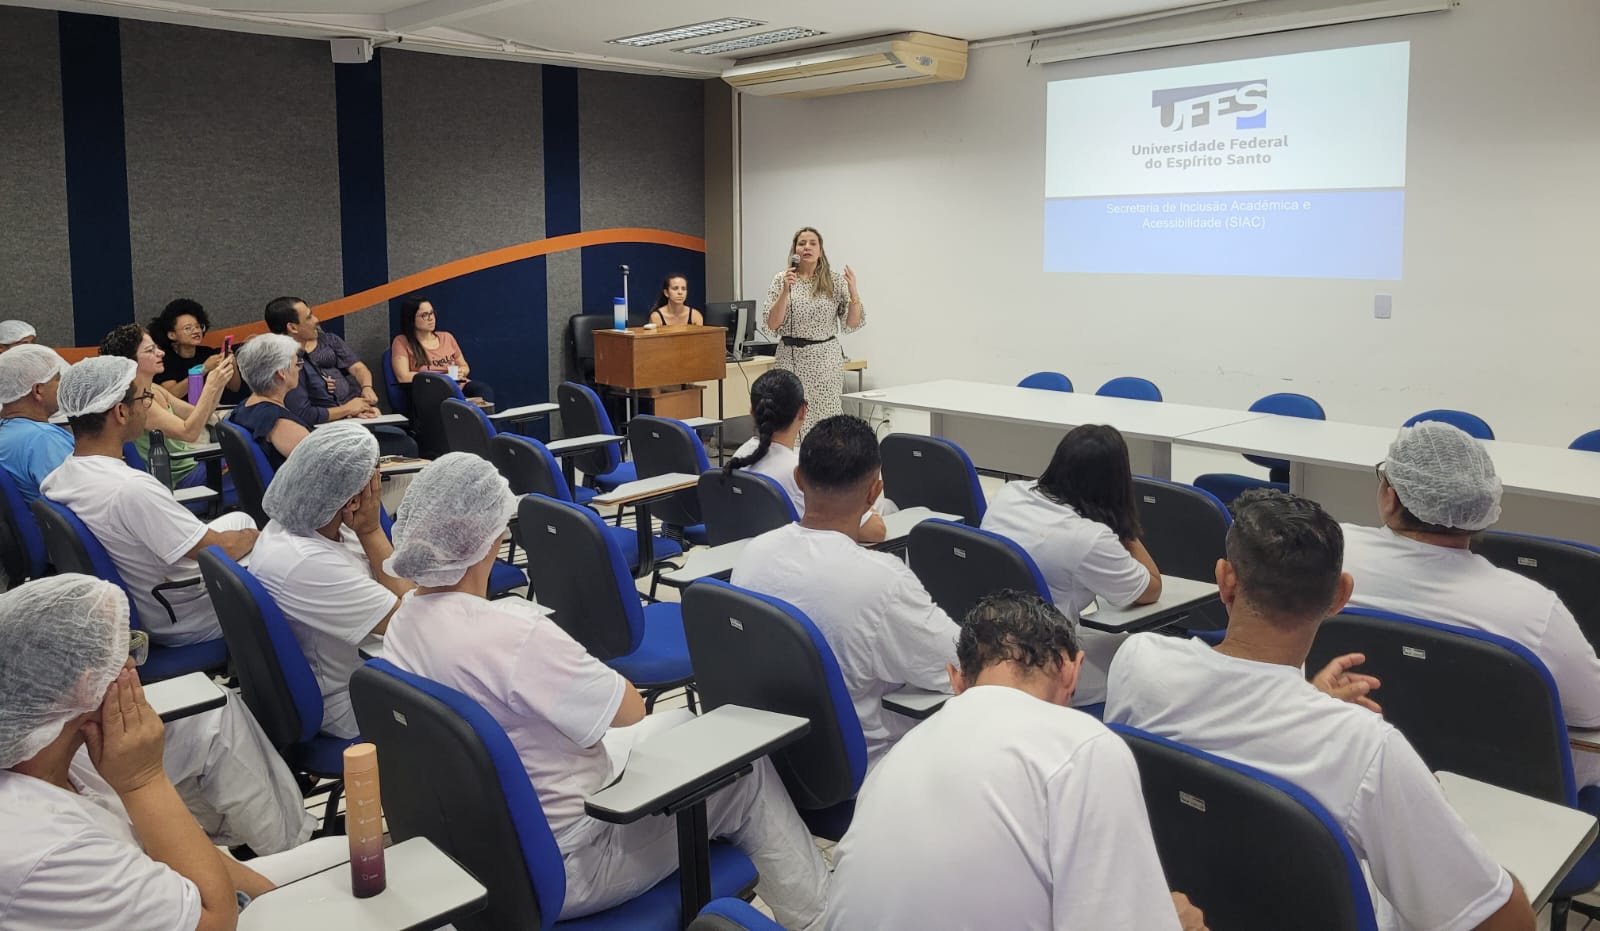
(227, 345)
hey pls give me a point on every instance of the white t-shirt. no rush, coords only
(147, 534)
(1426, 868)
(1079, 559)
(554, 700)
(71, 860)
(778, 464)
(330, 599)
(1037, 806)
(884, 629)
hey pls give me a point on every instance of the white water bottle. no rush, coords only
(619, 313)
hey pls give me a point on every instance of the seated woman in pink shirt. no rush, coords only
(422, 347)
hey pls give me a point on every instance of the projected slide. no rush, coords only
(1290, 166)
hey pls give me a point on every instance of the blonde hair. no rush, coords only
(822, 278)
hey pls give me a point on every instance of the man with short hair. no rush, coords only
(1010, 791)
(31, 447)
(150, 537)
(1437, 488)
(883, 627)
(1248, 701)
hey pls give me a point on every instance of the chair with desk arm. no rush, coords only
(742, 504)
(930, 472)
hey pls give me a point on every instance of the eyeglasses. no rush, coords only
(151, 350)
(425, 315)
(147, 398)
(191, 329)
(1378, 471)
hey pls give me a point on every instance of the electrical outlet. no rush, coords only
(1382, 306)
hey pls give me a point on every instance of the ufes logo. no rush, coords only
(1184, 108)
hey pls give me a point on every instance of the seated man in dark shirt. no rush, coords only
(334, 383)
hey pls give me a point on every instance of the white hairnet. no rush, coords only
(25, 367)
(66, 638)
(454, 511)
(1443, 476)
(265, 356)
(15, 331)
(95, 385)
(324, 472)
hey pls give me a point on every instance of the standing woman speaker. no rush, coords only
(808, 306)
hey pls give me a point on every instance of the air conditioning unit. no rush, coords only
(904, 60)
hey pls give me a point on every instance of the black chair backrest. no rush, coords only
(262, 682)
(574, 575)
(958, 565)
(429, 391)
(581, 329)
(661, 445)
(1185, 528)
(741, 505)
(1255, 852)
(245, 463)
(61, 541)
(528, 467)
(466, 428)
(1571, 570)
(926, 471)
(582, 415)
(759, 652)
(1469, 702)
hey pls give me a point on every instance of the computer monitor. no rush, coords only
(738, 318)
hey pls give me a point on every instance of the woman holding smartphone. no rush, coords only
(808, 305)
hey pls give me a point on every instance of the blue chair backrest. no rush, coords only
(24, 556)
(1287, 404)
(583, 414)
(528, 466)
(1048, 381)
(1130, 386)
(1471, 424)
(1258, 853)
(742, 504)
(466, 427)
(130, 455)
(1185, 528)
(926, 471)
(399, 401)
(453, 776)
(760, 652)
(1469, 702)
(958, 565)
(579, 573)
(661, 445)
(1571, 570)
(248, 465)
(275, 679)
(74, 548)
(1589, 442)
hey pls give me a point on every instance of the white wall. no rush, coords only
(935, 196)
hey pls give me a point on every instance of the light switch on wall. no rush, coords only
(1382, 305)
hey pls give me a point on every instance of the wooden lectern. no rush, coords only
(642, 362)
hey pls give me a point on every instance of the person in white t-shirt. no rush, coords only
(571, 717)
(778, 407)
(1007, 791)
(321, 558)
(1080, 523)
(1435, 490)
(149, 536)
(1248, 701)
(883, 627)
(96, 835)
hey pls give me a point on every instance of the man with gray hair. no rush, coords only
(30, 445)
(1435, 490)
(321, 557)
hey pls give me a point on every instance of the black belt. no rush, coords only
(797, 341)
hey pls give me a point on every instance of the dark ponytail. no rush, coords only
(775, 401)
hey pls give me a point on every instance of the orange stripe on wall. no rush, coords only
(383, 293)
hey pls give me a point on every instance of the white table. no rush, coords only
(573, 445)
(897, 526)
(196, 493)
(705, 562)
(1536, 841)
(200, 451)
(1178, 597)
(185, 695)
(525, 412)
(425, 889)
(914, 702)
(1016, 430)
(396, 420)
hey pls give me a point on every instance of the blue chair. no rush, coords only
(773, 658)
(1471, 424)
(1258, 853)
(732, 915)
(466, 427)
(72, 547)
(1227, 486)
(660, 446)
(959, 565)
(275, 680)
(399, 400)
(1130, 386)
(248, 465)
(1047, 381)
(429, 391)
(1589, 442)
(1472, 703)
(1571, 570)
(582, 414)
(926, 471)
(742, 504)
(22, 552)
(436, 741)
(1186, 532)
(582, 576)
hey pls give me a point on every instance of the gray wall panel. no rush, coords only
(564, 281)
(233, 179)
(35, 262)
(642, 151)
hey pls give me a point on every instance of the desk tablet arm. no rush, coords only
(172, 585)
(526, 412)
(577, 446)
(1584, 739)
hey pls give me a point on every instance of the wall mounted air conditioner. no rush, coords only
(895, 61)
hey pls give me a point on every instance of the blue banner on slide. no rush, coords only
(1286, 234)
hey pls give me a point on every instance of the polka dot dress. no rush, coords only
(820, 366)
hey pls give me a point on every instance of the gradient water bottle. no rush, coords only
(364, 820)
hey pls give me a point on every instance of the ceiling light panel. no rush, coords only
(759, 39)
(685, 33)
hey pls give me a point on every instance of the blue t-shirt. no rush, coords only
(31, 450)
